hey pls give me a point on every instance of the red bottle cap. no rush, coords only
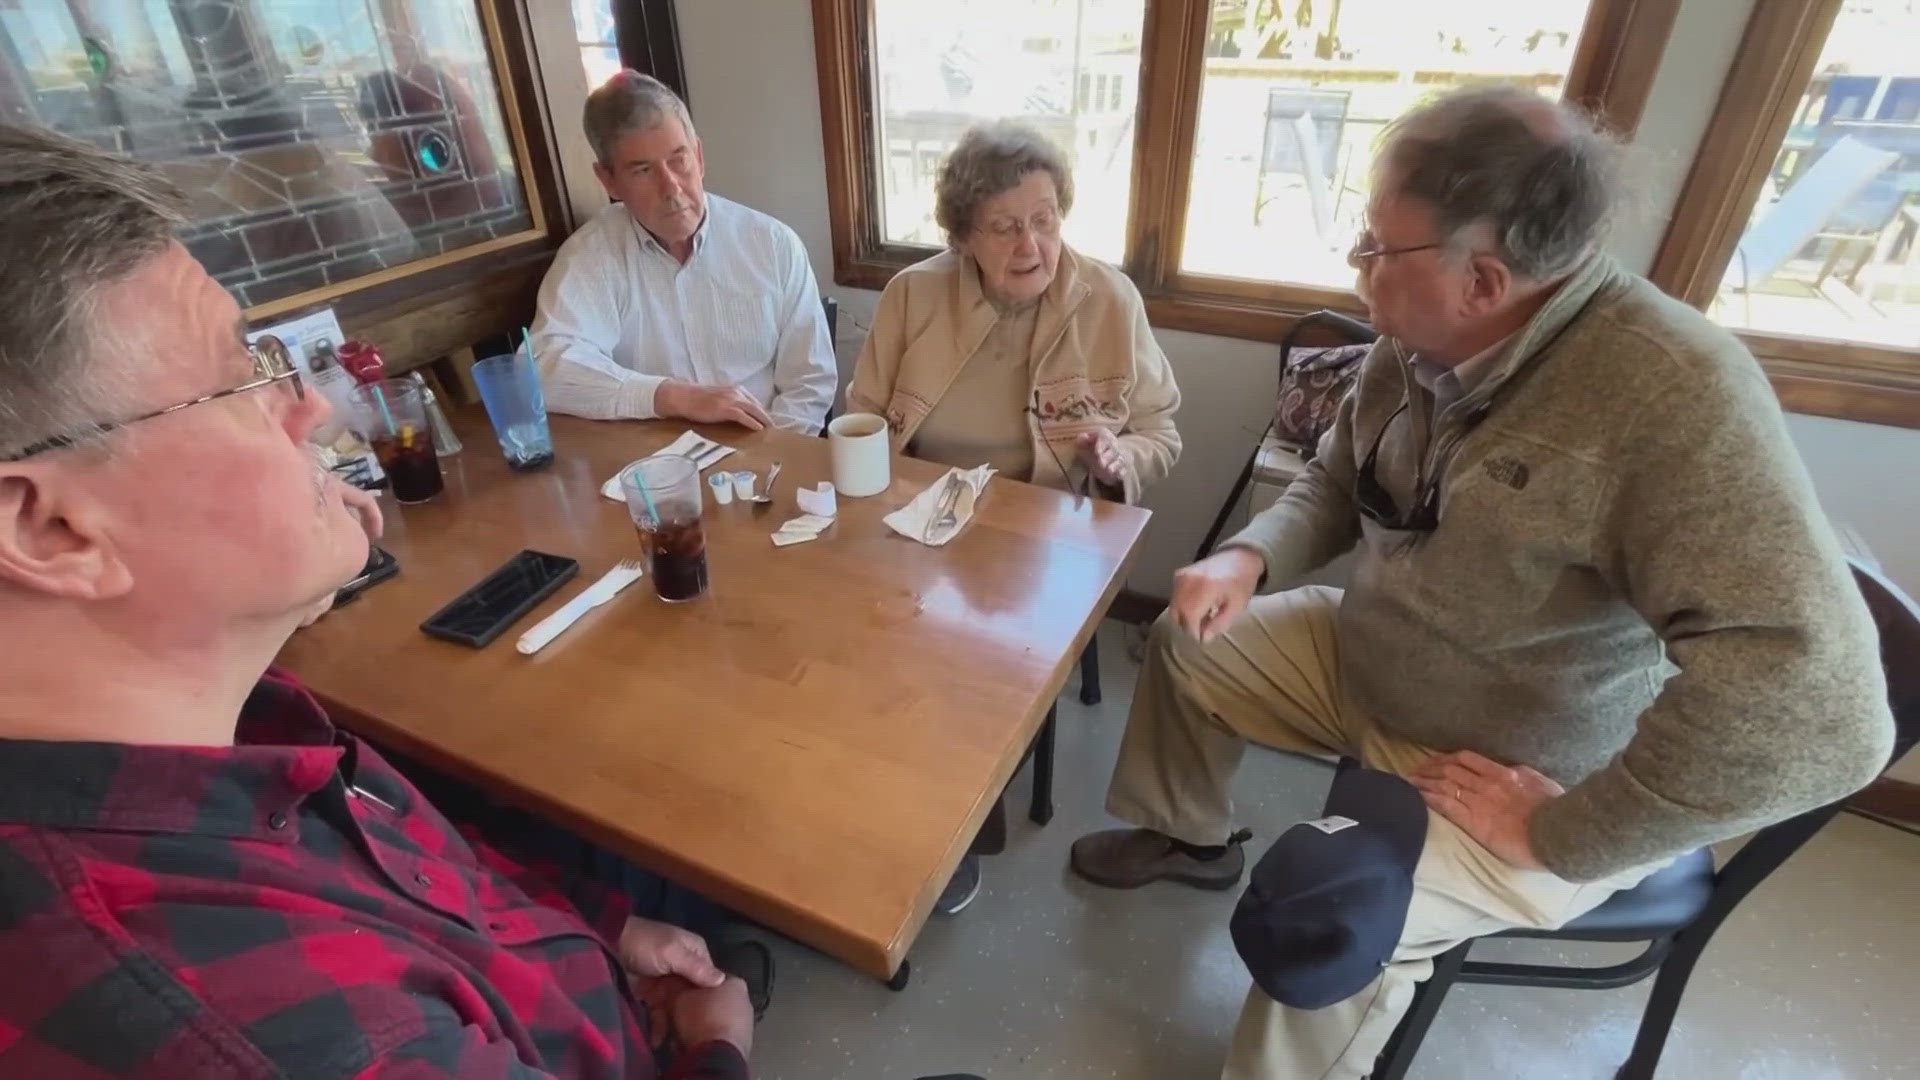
(363, 362)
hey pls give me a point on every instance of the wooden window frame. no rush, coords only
(1846, 379)
(649, 40)
(1621, 44)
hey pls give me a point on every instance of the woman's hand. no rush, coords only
(1100, 452)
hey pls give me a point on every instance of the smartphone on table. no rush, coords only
(381, 565)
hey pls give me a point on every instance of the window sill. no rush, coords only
(1823, 378)
(1829, 385)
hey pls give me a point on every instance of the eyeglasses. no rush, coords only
(1044, 223)
(1366, 247)
(270, 365)
(1376, 502)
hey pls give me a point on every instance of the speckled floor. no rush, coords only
(1816, 977)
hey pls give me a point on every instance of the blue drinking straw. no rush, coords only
(379, 394)
(645, 495)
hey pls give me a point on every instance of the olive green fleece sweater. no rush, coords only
(1631, 589)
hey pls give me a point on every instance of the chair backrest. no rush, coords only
(1283, 152)
(1898, 619)
(831, 309)
(1806, 207)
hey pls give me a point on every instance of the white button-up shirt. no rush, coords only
(619, 315)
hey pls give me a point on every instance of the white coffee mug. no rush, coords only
(861, 454)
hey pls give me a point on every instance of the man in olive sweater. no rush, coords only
(1596, 615)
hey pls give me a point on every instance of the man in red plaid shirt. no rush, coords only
(200, 876)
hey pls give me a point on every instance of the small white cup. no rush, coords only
(862, 454)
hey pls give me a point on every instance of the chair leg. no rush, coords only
(1042, 809)
(1664, 1003)
(1090, 672)
(1397, 1056)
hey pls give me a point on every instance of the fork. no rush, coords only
(625, 573)
(948, 512)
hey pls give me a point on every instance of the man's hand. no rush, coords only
(718, 1014)
(651, 949)
(1099, 450)
(1490, 802)
(364, 505)
(710, 405)
(1211, 593)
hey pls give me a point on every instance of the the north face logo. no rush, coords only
(1508, 471)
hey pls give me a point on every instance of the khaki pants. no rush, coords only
(1271, 680)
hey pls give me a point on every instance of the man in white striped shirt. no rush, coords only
(673, 302)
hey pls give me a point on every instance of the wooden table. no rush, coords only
(814, 743)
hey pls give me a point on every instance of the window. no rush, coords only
(323, 145)
(1291, 107)
(593, 27)
(1219, 146)
(939, 68)
(1800, 225)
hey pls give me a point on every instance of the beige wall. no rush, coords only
(755, 99)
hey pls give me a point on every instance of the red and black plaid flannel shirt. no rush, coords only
(289, 907)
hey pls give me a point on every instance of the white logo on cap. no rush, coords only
(1331, 825)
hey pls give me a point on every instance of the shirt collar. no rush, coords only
(650, 242)
(285, 749)
(1466, 374)
(1063, 291)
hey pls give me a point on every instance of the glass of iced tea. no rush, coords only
(392, 415)
(664, 499)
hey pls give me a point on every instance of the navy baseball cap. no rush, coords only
(1325, 905)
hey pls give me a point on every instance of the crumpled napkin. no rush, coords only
(690, 444)
(911, 520)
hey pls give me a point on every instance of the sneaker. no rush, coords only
(1130, 858)
(962, 889)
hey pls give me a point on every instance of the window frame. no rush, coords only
(1620, 48)
(1826, 377)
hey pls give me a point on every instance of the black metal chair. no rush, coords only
(1345, 330)
(1677, 910)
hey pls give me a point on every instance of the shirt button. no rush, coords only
(423, 880)
(277, 821)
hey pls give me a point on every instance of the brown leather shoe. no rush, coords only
(1130, 858)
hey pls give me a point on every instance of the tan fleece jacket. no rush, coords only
(1631, 589)
(1096, 363)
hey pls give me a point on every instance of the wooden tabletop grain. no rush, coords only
(814, 743)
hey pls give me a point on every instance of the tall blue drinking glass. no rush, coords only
(510, 386)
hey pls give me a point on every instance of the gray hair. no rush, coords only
(1537, 174)
(76, 221)
(989, 159)
(627, 103)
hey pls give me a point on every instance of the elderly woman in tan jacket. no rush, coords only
(1012, 349)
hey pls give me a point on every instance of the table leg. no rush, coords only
(901, 977)
(1042, 809)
